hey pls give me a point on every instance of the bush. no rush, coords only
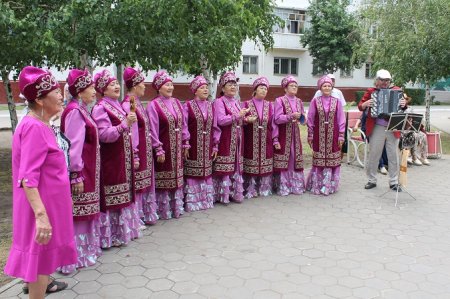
(358, 95)
(417, 95)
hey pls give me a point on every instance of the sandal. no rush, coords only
(60, 285)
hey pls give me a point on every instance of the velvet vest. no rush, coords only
(289, 133)
(143, 175)
(199, 163)
(258, 152)
(86, 206)
(326, 151)
(116, 172)
(230, 139)
(169, 175)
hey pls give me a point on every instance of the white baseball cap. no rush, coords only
(383, 74)
(331, 76)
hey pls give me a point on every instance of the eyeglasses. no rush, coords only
(231, 84)
(385, 80)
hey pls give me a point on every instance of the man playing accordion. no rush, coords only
(376, 130)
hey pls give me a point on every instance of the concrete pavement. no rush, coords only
(354, 244)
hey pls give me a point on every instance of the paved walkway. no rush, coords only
(354, 244)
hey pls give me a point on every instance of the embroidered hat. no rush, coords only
(260, 81)
(160, 79)
(102, 80)
(35, 82)
(288, 79)
(323, 80)
(132, 77)
(197, 82)
(78, 81)
(227, 77)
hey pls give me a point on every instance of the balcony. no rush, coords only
(287, 41)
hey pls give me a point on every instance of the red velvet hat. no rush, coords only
(160, 79)
(197, 82)
(78, 81)
(35, 82)
(102, 80)
(132, 77)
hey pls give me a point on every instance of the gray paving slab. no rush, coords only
(354, 244)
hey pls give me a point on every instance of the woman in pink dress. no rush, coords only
(326, 127)
(142, 146)
(288, 160)
(119, 220)
(260, 137)
(79, 127)
(204, 139)
(42, 205)
(228, 181)
(172, 139)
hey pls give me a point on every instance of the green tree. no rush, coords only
(412, 41)
(23, 36)
(206, 36)
(333, 37)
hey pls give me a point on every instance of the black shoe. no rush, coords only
(370, 185)
(395, 187)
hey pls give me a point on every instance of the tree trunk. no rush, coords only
(427, 106)
(9, 97)
(119, 72)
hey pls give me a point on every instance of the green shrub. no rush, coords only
(358, 95)
(417, 95)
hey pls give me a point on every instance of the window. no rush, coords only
(250, 64)
(285, 66)
(347, 74)
(369, 74)
(294, 21)
(317, 71)
(373, 31)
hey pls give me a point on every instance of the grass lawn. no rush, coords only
(19, 107)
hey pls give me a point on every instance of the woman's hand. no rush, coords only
(186, 153)
(77, 188)
(136, 164)
(310, 142)
(161, 158)
(214, 155)
(277, 146)
(43, 229)
(131, 118)
(340, 142)
(243, 112)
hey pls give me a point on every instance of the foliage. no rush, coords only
(358, 95)
(417, 95)
(333, 36)
(411, 40)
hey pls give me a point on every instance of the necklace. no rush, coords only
(34, 115)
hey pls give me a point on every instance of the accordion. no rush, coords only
(385, 102)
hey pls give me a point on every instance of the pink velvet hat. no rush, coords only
(197, 82)
(261, 81)
(78, 81)
(288, 79)
(227, 77)
(102, 80)
(323, 80)
(35, 82)
(132, 77)
(160, 79)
